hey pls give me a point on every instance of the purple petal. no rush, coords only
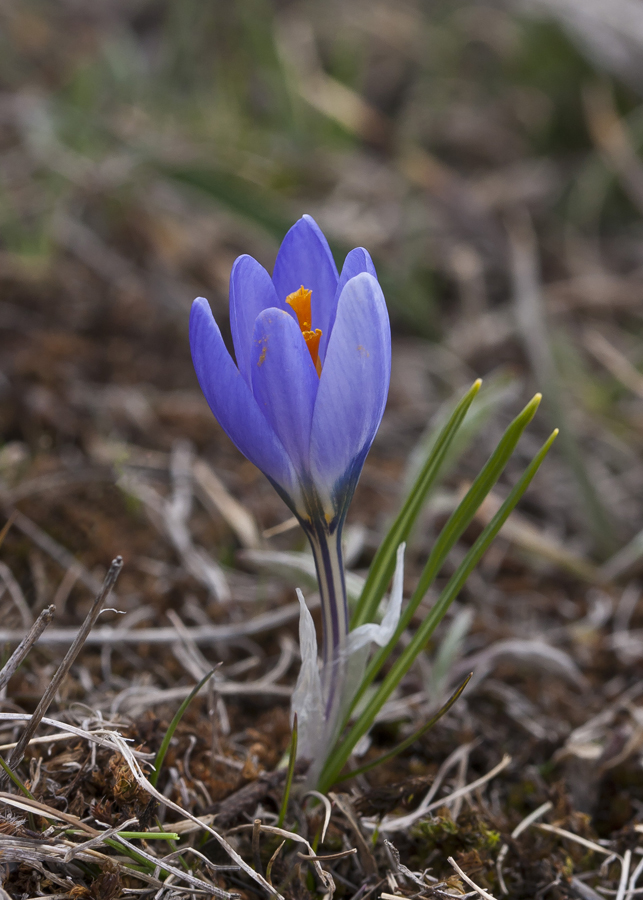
(305, 258)
(251, 291)
(232, 402)
(284, 382)
(358, 261)
(352, 391)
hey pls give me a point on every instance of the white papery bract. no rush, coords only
(319, 716)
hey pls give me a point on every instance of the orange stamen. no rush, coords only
(312, 339)
(300, 302)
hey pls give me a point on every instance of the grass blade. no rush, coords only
(291, 771)
(383, 565)
(342, 751)
(169, 734)
(459, 520)
(413, 737)
(18, 783)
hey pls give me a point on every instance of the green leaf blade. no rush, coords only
(459, 520)
(343, 750)
(383, 565)
(160, 756)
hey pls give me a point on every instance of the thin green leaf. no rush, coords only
(343, 750)
(412, 738)
(160, 756)
(172, 844)
(291, 771)
(142, 864)
(459, 520)
(18, 783)
(383, 565)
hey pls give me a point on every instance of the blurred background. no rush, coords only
(487, 154)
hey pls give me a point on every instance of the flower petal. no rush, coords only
(251, 291)
(352, 391)
(305, 258)
(284, 382)
(358, 261)
(232, 402)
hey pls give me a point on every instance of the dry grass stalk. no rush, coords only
(50, 692)
(26, 644)
(201, 634)
(484, 894)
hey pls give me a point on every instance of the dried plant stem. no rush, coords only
(200, 634)
(484, 894)
(66, 664)
(26, 644)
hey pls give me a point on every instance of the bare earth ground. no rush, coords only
(109, 449)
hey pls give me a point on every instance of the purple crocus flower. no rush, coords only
(308, 390)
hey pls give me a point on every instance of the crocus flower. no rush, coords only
(307, 393)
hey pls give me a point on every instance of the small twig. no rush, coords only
(464, 877)
(29, 804)
(591, 845)
(324, 877)
(625, 872)
(26, 644)
(272, 861)
(256, 846)
(327, 811)
(341, 855)
(66, 664)
(95, 737)
(200, 634)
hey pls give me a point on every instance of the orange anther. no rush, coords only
(300, 302)
(312, 339)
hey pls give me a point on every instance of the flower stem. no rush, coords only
(327, 553)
